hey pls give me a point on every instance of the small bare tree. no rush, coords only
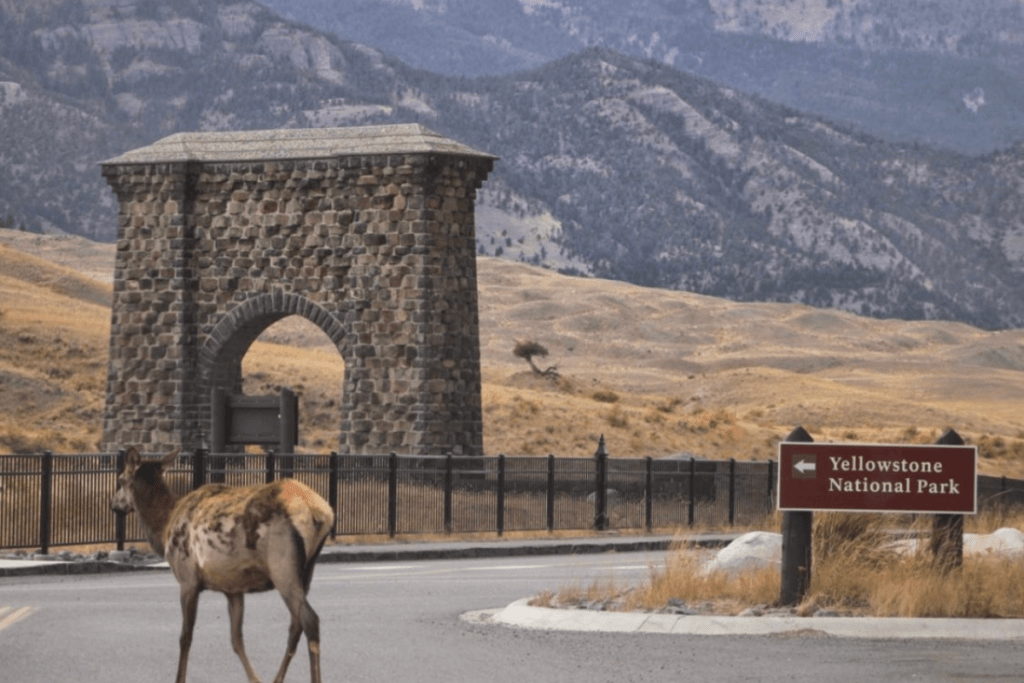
(527, 350)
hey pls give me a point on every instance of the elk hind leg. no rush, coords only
(304, 620)
(236, 608)
(290, 573)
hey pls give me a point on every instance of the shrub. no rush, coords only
(605, 396)
(618, 419)
(527, 350)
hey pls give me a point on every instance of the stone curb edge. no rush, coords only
(520, 614)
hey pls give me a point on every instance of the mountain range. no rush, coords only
(612, 164)
(939, 72)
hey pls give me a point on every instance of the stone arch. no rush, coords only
(367, 232)
(221, 355)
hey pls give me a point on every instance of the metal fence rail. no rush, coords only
(50, 500)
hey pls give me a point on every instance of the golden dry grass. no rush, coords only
(857, 571)
(682, 579)
(655, 371)
(54, 332)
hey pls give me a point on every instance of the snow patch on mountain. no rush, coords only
(11, 94)
(306, 52)
(974, 100)
(237, 20)
(173, 34)
(795, 20)
(532, 6)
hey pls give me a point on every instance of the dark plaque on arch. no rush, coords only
(262, 420)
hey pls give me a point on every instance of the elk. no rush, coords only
(235, 541)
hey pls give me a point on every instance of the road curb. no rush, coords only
(520, 614)
(56, 568)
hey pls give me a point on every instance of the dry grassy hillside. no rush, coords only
(655, 371)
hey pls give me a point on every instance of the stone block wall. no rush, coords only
(376, 250)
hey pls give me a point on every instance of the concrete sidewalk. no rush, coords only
(392, 552)
(521, 615)
(441, 550)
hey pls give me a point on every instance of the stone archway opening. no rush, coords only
(277, 342)
(295, 354)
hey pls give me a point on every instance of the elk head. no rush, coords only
(138, 477)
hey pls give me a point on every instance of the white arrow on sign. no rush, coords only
(803, 467)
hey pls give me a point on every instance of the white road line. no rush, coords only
(507, 567)
(517, 567)
(14, 617)
(383, 568)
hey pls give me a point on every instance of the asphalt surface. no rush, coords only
(520, 615)
(420, 621)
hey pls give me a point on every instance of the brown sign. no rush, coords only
(878, 478)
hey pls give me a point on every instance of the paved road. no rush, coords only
(400, 622)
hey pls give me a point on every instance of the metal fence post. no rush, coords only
(601, 494)
(500, 512)
(649, 493)
(271, 458)
(45, 500)
(332, 489)
(448, 476)
(551, 492)
(120, 518)
(732, 491)
(198, 467)
(392, 494)
(691, 512)
(771, 484)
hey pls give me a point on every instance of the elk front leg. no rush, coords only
(189, 606)
(236, 607)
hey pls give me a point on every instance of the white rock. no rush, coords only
(759, 549)
(1006, 542)
(750, 551)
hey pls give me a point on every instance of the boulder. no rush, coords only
(1005, 542)
(750, 551)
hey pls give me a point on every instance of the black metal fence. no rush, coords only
(52, 500)
(57, 500)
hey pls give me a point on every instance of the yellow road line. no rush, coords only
(14, 617)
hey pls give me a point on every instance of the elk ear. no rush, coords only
(134, 459)
(169, 459)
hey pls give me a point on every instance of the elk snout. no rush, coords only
(121, 501)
